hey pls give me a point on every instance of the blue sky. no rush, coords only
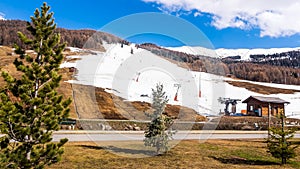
(227, 24)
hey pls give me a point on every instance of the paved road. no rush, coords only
(77, 136)
(74, 136)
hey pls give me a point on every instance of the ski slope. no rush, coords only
(195, 50)
(133, 76)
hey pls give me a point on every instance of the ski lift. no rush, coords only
(138, 75)
(176, 95)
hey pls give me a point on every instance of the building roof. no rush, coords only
(266, 99)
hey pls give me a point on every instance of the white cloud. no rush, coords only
(197, 14)
(2, 16)
(276, 18)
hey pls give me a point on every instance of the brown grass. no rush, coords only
(66, 89)
(262, 89)
(6, 60)
(114, 107)
(175, 111)
(187, 154)
(6, 64)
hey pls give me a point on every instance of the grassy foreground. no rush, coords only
(187, 154)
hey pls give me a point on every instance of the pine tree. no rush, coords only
(131, 50)
(30, 107)
(157, 134)
(279, 145)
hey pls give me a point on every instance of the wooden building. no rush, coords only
(261, 106)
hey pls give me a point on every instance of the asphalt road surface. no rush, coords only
(77, 136)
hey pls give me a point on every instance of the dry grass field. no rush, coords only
(226, 154)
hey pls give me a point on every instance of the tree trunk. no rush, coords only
(29, 147)
(36, 89)
(283, 160)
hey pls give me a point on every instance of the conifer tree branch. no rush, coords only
(12, 133)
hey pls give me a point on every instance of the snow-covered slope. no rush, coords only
(244, 53)
(197, 50)
(132, 76)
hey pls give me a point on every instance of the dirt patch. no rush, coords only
(114, 107)
(262, 89)
(97, 103)
(174, 111)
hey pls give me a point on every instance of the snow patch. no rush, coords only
(74, 49)
(195, 51)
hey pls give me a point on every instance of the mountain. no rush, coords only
(114, 78)
(276, 65)
(131, 71)
(196, 50)
(91, 101)
(244, 54)
(263, 65)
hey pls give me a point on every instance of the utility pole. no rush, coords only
(176, 95)
(199, 92)
(283, 160)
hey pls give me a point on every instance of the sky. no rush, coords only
(226, 23)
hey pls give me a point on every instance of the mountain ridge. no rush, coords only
(73, 38)
(244, 53)
(256, 67)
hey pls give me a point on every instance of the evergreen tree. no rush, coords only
(30, 107)
(279, 145)
(157, 134)
(131, 51)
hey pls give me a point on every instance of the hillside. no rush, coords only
(73, 38)
(239, 54)
(264, 73)
(93, 77)
(99, 99)
(200, 62)
(275, 65)
(106, 69)
(91, 102)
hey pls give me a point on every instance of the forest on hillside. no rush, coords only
(265, 73)
(9, 29)
(287, 59)
(193, 62)
(73, 38)
(275, 68)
